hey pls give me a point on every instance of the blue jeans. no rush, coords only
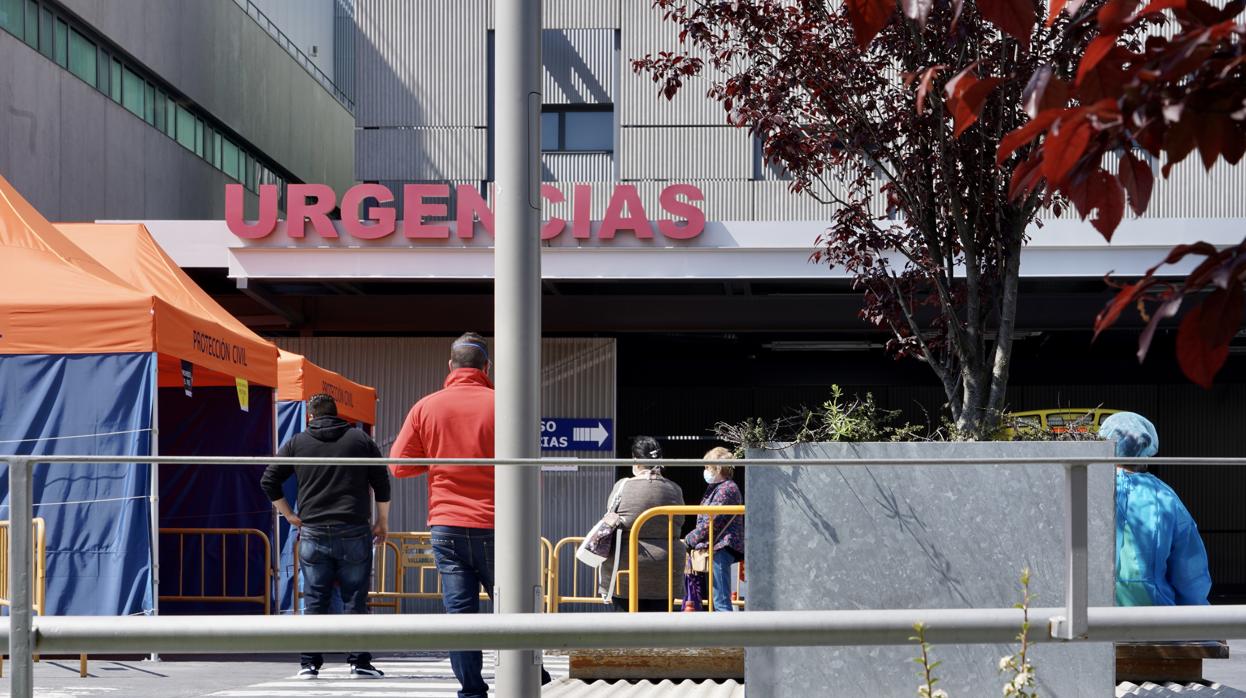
(464, 558)
(341, 555)
(723, 561)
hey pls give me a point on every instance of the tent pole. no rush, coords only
(154, 494)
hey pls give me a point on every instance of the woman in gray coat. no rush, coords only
(645, 490)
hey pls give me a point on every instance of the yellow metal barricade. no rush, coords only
(245, 535)
(633, 582)
(412, 554)
(39, 564)
(563, 554)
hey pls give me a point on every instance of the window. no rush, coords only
(60, 43)
(218, 145)
(229, 159)
(161, 113)
(32, 24)
(104, 83)
(11, 17)
(185, 133)
(580, 128)
(45, 32)
(250, 173)
(149, 103)
(115, 81)
(170, 118)
(199, 137)
(82, 57)
(132, 92)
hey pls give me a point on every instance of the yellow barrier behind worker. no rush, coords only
(38, 564)
(240, 536)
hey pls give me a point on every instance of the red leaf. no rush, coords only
(1136, 176)
(1123, 299)
(1156, 6)
(1211, 138)
(1015, 18)
(1065, 146)
(917, 10)
(1015, 139)
(1095, 52)
(966, 94)
(1234, 144)
(1165, 310)
(1107, 197)
(1115, 12)
(1025, 177)
(1044, 91)
(868, 17)
(1199, 360)
(1054, 11)
(1221, 315)
(923, 86)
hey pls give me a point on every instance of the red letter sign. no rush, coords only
(414, 209)
(625, 196)
(471, 205)
(554, 225)
(299, 211)
(235, 213)
(384, 216)
(695, 216)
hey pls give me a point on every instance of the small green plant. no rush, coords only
(926, 689)
(1021, 683)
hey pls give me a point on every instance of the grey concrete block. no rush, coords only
(857, 537)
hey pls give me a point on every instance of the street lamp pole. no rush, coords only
(517, 324)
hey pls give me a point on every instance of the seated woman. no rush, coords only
(645, 490)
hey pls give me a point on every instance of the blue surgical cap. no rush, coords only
(1134, 434)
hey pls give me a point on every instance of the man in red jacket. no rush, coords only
(457, 422)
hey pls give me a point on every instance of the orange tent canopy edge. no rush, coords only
(298, 379)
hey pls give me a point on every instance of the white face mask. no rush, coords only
(710, 477)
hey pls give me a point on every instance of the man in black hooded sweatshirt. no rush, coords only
(336, 527)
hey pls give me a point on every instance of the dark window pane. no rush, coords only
(82, 57)
(185, 128)
(149, 104)
(132, 89)
(32, 24)
(114, 86)
(549, 131)
(250, 173)
(61, 43)
(11, 17)
(103, 83)
(199, 137)
(229, 159)
(160, 110)
(45, 32)
(589, 130)
(170, 118)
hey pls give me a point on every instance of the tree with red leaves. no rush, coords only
(894, 113)
(1163, 79)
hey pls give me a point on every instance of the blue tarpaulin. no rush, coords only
(291, 419)
(97, 515)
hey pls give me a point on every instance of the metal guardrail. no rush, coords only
(257, 15)
(1075, 621)
(264, 598)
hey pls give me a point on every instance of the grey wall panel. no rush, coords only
(725, 200)
(574, 14)
(644, 32)
(221, 59)
(1193, 192)
(685, 153)
(420, 63)
(95, 159)
(421, 153)
(580, 66)
(774, 201)
(577, 167)
(578, 380)
(344, 31)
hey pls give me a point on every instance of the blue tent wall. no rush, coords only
(97, 515)
(213, 496)
(291, 419)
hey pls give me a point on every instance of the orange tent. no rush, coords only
(56, 298)
(130, 251)
(298, 379)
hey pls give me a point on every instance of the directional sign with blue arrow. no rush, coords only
(577, 434)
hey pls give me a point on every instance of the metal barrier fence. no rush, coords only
(670, 512)
(264, 597)
(38, 564)
(1074, 622)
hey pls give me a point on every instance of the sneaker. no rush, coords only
(308, 672)
(365, 671)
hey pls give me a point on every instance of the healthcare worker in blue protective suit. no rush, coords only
(1160, 559)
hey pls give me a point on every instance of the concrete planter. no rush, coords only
(926, 537)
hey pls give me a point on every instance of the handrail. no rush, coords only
(616, 462)
(274, 32)
(264, 598)
(670, 512)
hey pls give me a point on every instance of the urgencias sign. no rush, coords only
(312, 203)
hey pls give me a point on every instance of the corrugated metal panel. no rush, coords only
(574, 14)
(580, 65)
(574, 688)
(702, 152)
(725, 200)
(577, 167)
(344, 46)
(1192, 192)
(774, 201)
(644, 32)
(421, 63)
(578, 380)
(421, 153)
